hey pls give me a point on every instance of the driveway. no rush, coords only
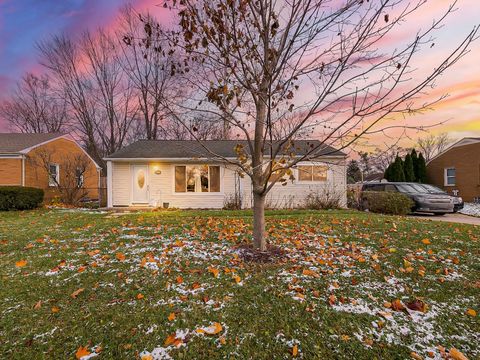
(454, 218)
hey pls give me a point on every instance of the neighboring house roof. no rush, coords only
(463, 142)
(373, 177)
(186, 149)
(18, 143)
(12, 144)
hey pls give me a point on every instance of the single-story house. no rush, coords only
(182, 174)
(457, 169)
(46, 161)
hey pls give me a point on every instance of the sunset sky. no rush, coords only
(25, 22)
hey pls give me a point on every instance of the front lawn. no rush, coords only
(174, 284)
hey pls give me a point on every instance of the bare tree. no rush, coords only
(320, 60)
(61, 56)
(111, 90)
(433, 145)
(148, 68)
(34, 107)
(67, 176)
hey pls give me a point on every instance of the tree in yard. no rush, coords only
(408, 169)
(414, 157)
(277, 70)
(397, 174)
(34, 107)
(69, 183)
(421, 169)
(433, 145)
(354, 173)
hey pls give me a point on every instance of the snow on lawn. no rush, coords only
(176, 268)
(472, 209)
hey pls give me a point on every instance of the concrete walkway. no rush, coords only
(453, 218)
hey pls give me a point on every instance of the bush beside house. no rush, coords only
(20, 198)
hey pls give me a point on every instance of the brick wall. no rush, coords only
(10, 171)
(466, 161)
(60, 150)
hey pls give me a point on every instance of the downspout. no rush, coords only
(23, 170)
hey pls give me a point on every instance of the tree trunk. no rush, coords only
(259, 240)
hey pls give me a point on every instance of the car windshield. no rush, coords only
(433, 189)
(409, 188)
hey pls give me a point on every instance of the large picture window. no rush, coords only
(197, 178)
(312, 173)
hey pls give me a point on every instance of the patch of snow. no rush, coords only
(472, 209)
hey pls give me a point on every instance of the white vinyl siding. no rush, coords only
(161, 181)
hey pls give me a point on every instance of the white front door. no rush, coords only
(140, 184)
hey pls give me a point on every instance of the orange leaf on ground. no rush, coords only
(397, 305)
(81, 352)
(171, 317)
(140, 296)
(21, 263)
(237, 279)
(471, 312)
(179, 280)
(417, 305)
(456, 354)
(55, 309)
(38, 305)
(76, 293)
(295, 350)
(214, 271)
(213, 329)
(120, 256)
(308, 272)
(426, 241)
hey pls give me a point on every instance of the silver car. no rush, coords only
(425, 202)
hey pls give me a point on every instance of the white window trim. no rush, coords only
(50, 183)
(186, 193)
(297, 175)
(445, 176)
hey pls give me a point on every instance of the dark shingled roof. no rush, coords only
(12, 143)
(175, 149)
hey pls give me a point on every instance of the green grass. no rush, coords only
(326, 296)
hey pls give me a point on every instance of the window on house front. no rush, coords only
(197, 178)
(53, 175)
(450, 176)
(312, 173)
(79, 177)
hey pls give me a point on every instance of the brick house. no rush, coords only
(457, 169)
(47, 161)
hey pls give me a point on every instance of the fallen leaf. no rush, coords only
(471, 312)
(21, 263)
(146, 357)
(426, 241)
(237, 279)
(171, 317)
(295, 350)
(81, 352)
(397, 305)
(120, 256)
(213, 270)
(55, 309)
(417, 305)
(140, 296)
(456, 354)
(76, 293)
(308, 272)
(38, 305)
(213, 329)
(415, 356)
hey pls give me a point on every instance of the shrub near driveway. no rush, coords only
(174, 285)
(20, 198)
(387, 202)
